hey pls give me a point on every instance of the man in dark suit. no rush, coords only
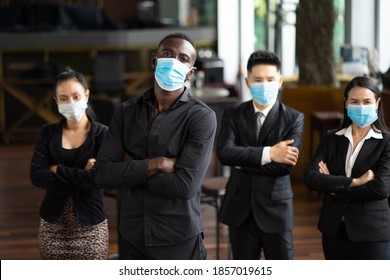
(260, 140)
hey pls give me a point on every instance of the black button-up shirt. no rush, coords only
(165, 208)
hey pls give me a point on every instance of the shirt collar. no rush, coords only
(266, 110)
(184, 97)
(347, 132)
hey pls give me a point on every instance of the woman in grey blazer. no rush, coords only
(351, 167)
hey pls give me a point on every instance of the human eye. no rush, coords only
(368, 102)
(184, 59)
(165, 54)
(62, 99)
(76, 97)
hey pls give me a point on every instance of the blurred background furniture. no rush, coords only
(322, 121)
(213, 190)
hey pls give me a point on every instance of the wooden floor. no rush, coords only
(20, 201)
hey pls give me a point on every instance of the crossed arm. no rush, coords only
(367, 187)
(177, 177)
(283, 155)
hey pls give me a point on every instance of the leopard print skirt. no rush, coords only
(67, 239)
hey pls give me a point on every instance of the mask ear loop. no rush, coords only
(377, 104)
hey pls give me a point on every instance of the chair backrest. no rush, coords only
(108, 72)
(385, 97)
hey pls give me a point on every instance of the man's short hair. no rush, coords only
(180, 36)
(263, 57)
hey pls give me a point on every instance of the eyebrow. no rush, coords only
(266, 78)
(367, 100)
(166, 49)
(181, 54)
(359, 99)
(71, 95)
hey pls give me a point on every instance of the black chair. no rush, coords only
(108, 71)
(108, 84)
(213, 190)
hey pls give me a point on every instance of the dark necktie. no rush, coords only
(259, 115)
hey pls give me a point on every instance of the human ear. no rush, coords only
(191, 73)
(247, 83)
(153, 60)
(87, 95)
(280, 81)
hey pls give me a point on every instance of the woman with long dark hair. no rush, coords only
(73, 221)
(351, 167)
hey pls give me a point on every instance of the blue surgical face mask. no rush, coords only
(265, 93)
(362, 115)
(170, 73)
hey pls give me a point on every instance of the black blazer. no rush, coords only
(365, 208)
(75, 182)
(264, 189)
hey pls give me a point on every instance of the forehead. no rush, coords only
(178, 45)
(264, 70)
(360, 93)
(69, 87)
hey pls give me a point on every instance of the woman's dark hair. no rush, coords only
(67, 75)
(70, 74)
(368, 83)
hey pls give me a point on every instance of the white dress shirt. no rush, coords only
(266, 157)
(352, 155)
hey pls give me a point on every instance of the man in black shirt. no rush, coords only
(157, 151)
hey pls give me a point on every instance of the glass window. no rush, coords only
(271, 16)
(260, 7)
(339, 29)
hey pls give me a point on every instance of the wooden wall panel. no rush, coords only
(308, 100)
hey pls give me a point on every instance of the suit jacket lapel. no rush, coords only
(341, 152)
(367, 149)
(269, 122)
(55, 144)
(249, 123)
